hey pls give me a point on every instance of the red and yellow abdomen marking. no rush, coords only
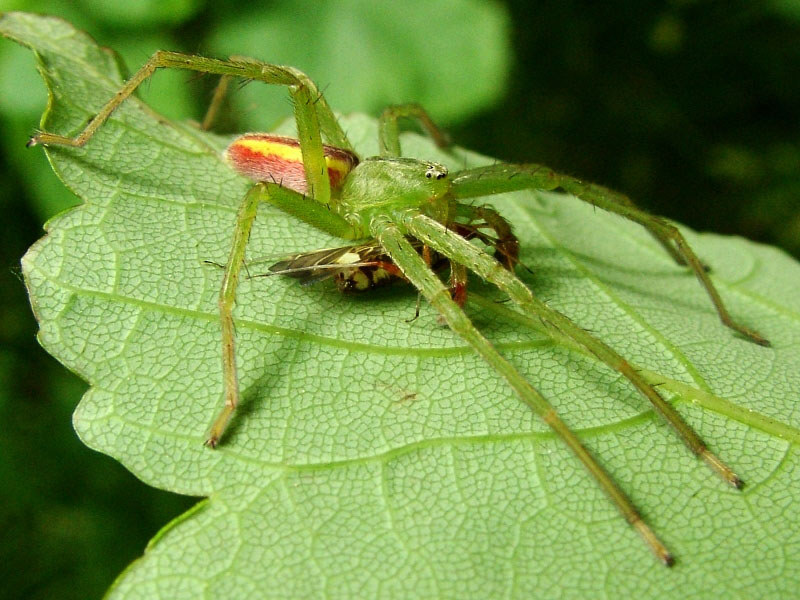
(278, 159)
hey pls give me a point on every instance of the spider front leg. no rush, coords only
(417, 272)
(496, 179)
(457, 248)
(302, 207)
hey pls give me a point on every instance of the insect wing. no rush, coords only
(311, 267)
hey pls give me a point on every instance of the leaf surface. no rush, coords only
(373, 457)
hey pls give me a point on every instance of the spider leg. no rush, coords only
(313, 116)
(283, 198)
(458, 283)
(505, 243)
(506, 246)
(426, 281)
(501, 178)
(217, 98)
(389, 133)
(452, 245)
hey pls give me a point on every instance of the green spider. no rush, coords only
(409, 216)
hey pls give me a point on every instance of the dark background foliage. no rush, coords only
(689, 107)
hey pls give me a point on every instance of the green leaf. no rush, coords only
(373, 457)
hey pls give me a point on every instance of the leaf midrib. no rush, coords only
(298, 334)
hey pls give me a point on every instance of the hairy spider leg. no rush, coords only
(389, 144)
(449, 244)
(496, 179)
(217, 100)
(283, 198)
(313, 116)
(389, 132)
(483, 181)
(506, 244)
(392, 238)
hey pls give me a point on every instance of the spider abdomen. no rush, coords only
(278, 159)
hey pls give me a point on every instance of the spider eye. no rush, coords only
(436, 171)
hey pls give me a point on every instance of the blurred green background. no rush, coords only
(692, 108)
